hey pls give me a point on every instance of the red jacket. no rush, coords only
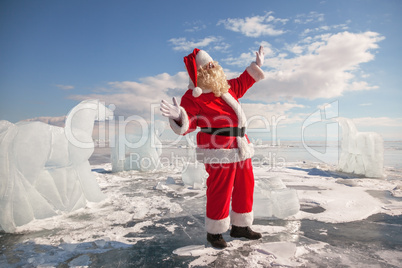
(219, 112)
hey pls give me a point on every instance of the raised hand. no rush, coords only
(171, 111)
(260, 56)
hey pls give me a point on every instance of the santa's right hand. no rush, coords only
(169, 110)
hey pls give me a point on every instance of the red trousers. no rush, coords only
(229, 182)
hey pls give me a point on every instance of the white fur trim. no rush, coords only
(217, 226)
(235, 105)
(202, 58)
(241, 219)
(185, 124)
(246, 149)
(197, 92)
(255, 71)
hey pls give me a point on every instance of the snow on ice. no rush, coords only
(154, 214)
(164, 226)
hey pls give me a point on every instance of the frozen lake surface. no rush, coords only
(149, 221)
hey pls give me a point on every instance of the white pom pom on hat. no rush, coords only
(197, 91)
(194, 61)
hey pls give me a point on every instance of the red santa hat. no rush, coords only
(194, 61)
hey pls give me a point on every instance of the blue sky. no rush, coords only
(54, 54)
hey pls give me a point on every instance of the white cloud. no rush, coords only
(296, 49)
(137, 98)
(326, 28)
(195, 26)
(325, 69)
(246, 58)
(182, 44)
(55, 121)
(64, 87)
(377, 122)
(221, 47)
(254, 26)
(261, 115)
(309, 18)
(243, 60)
(361, 85)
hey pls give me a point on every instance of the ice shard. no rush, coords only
(138, 152)
(362, 153)
(194, 175)
(273, 200)
(44, 169)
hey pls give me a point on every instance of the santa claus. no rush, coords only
(211, 103)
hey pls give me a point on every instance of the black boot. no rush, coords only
(216, 240)
(245, 232)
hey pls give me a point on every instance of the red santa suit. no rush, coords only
(227, 159)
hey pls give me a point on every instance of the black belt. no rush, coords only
(225, 131)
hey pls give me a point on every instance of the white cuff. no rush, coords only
(255, 72)
(217, 226)
(185, 124)
(242, 219)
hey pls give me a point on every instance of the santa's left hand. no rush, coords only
(260, 56)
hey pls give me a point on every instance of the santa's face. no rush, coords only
(212, 77)
(210, 65)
